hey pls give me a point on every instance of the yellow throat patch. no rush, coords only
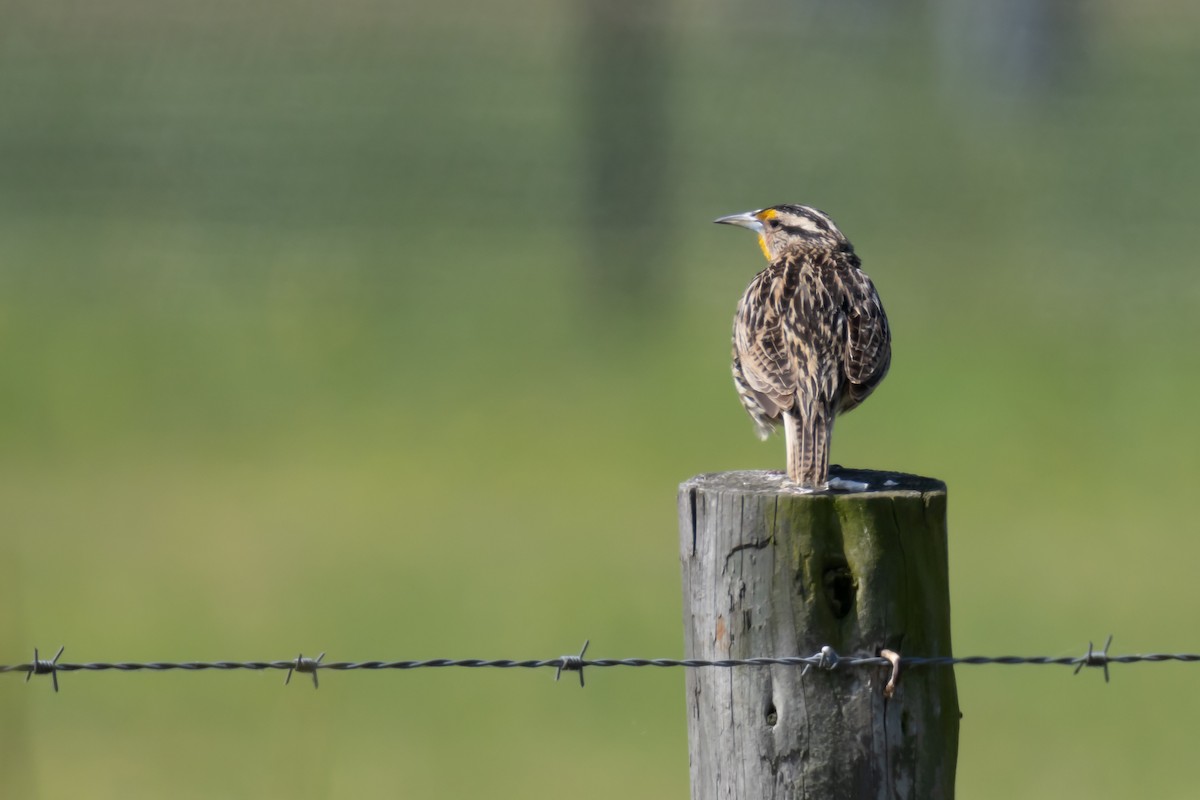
(764, 215)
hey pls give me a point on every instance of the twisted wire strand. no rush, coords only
(826, 659)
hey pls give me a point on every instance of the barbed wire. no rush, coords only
(826, 659)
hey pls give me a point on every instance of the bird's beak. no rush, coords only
(747, 220)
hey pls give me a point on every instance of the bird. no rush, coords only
(810, 336)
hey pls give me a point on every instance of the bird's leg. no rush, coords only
(808, 432)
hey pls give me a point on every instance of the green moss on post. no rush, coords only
(768, 571)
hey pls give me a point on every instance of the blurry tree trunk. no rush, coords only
(623, 94)
(15, 752)
(1024, 48)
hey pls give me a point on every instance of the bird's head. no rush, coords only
(787, 227)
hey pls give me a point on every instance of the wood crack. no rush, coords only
(753, 544)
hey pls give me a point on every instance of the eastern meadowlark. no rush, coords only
(810, 338)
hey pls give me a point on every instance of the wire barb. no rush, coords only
(827, 659)
(1094, 659)
(572, 663)
(309, 665)
(40, 667)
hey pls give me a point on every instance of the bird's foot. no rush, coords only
(833, 484)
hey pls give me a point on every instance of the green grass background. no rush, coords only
(298, 354)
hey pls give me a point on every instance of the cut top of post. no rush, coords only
(774, 483)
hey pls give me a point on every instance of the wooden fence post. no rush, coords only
(768, 571)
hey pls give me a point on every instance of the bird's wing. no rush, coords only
(868, 339)
(760, 344)
(762, 409)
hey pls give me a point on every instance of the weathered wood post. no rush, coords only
(769, 571)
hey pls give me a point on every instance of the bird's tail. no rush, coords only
(808, 433)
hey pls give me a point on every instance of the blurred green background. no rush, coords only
(390, 329)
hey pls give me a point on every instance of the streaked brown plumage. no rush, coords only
(810, 338)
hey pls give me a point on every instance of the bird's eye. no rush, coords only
(772, 223)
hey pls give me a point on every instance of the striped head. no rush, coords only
(787, 227)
